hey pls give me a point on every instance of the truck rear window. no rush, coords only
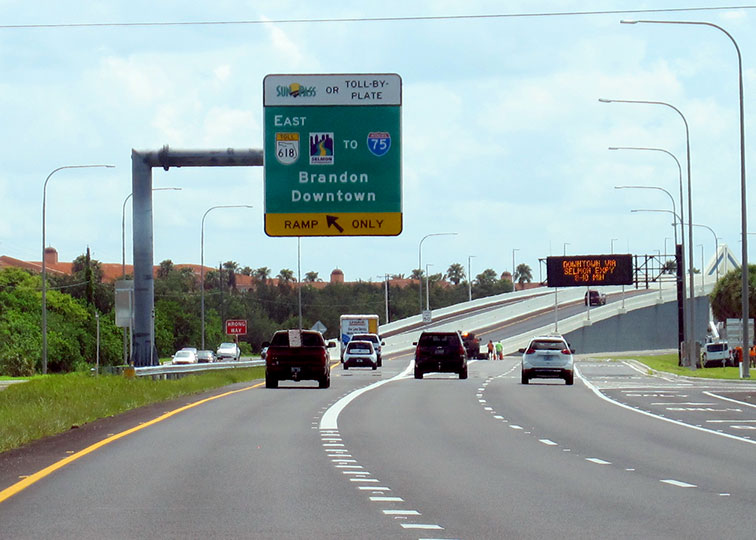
(435, 340)
(309, 339)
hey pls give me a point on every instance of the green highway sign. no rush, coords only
(333, 155)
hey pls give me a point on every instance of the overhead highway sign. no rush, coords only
(333, 155)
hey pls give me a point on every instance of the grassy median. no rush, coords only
(668, 363)
(53, 404)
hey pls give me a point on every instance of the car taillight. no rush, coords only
(565, 351)
(461, 351)
(530, 351)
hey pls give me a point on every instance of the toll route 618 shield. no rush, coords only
(287, 148)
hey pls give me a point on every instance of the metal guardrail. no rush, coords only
(172, 371)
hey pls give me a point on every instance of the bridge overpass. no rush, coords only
(633, 319)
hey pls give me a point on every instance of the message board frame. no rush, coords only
(589, 270)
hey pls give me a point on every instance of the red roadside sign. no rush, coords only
(236, 327)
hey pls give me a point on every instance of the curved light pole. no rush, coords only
(743, 209)
(691, 307)
(679, 170)
(420, 261)
(674, 208)
(44, 263)
(202, 262)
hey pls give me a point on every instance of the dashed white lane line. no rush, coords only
(401, 512)
(678, 483)
(515, 426)
(386, 499)
(598, 461)
(548, 442)
(425, 526)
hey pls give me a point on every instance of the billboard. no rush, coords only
(586, 270)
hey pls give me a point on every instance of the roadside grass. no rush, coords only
(53, 404)
(668, 363)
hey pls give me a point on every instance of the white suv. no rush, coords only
(548, 357)
(377, 342)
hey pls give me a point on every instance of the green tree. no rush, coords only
(165, 268)
(262, 273)
(726, 301)
(312, 277)
(455, 273)
(523, 274)
(285, 276)
(231, 269)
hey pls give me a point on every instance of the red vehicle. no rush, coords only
(297, 355)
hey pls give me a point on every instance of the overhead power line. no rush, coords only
(375, 19)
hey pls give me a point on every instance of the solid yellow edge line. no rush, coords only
(9, 492)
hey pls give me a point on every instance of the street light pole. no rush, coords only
(743, 209)
(513, 268)
(420, 261)
(564, 248)
(691, 307)
(385, 282)
(44, 262)
(611, 248)
(427, 287)
(202, 262)
(469, 279)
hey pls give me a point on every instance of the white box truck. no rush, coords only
(356, 324)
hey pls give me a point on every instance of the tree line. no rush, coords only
(78, 302)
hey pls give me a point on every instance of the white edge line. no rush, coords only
(330, 419)
(652, 415)
(712, 394)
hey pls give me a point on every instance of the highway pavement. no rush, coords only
(621, 454)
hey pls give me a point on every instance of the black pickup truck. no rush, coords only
(297, 355)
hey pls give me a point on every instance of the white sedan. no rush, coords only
(228, 351)
(184, 356)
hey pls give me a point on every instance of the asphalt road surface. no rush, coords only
(620, 454)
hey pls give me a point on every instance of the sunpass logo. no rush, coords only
(295, 90)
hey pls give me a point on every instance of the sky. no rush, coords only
(504, 140)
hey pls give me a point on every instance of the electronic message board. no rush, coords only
(582, 270)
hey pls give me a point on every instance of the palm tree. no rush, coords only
(312, 277)
(262, 273)
(417, 273)
(165, 268)
(231, 267)
(285, 276)
(487, 277)
(523, 274)
(455, 273)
